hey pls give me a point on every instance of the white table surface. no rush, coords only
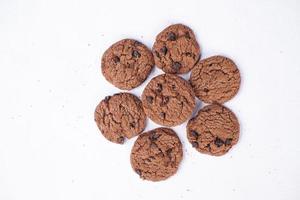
(50, 83)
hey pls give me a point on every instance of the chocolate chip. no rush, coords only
(218, 142)
(132, 124)
(176, 65)
(187, 35)
(228, 141)
(195, 134)
(157, 54)
(208, 146)
(206, 90)
(159, 87)
(138, 171)
(116, 59)
(137, 43)
(210, 64)
(136, 54)
(168, 152)
(164, 50)
(189, 54)
(162, 115)
(122, 108)
(106, 99)
(151, 157)
(165, 100)
(153, 137)
(149, 99)
(121, 140)
(206, 109)
(173, 86)
(153, 145)
(171, 36)
(195, 144)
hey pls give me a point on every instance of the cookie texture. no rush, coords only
(156, 154)
(168, 100)
(214, 130)
(215, 79)
(127, 64)
(120, 116)
(176, 49)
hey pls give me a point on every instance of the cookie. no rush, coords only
(215, 79)
(176, 50)
(168, 100)
(156, 154)
(127, 64)
(214, 130)
(120, 116)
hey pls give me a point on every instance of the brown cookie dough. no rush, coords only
(215, 79)
(120, 116)
(168, 100)
(156, 154)
(214, 130)
(176, 50)
(127, 64)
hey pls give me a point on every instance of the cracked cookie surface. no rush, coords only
(168, 100)
(127, 64)
(215, 79)
(176, 50)
(120, 116)
(156, 154)
(214, 130)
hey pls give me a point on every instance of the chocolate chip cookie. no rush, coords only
(168, 100)
(215, 79)
(176, 50)
(120, 116)
(156, 154)
(127, 64)
(214, 130)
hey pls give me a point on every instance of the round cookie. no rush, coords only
(120, 116)
(156, 154)
(127, 64)
(168, 100)
(176, 50)
(215, 79)
(214, 130)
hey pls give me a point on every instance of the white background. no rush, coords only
(50, 84)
